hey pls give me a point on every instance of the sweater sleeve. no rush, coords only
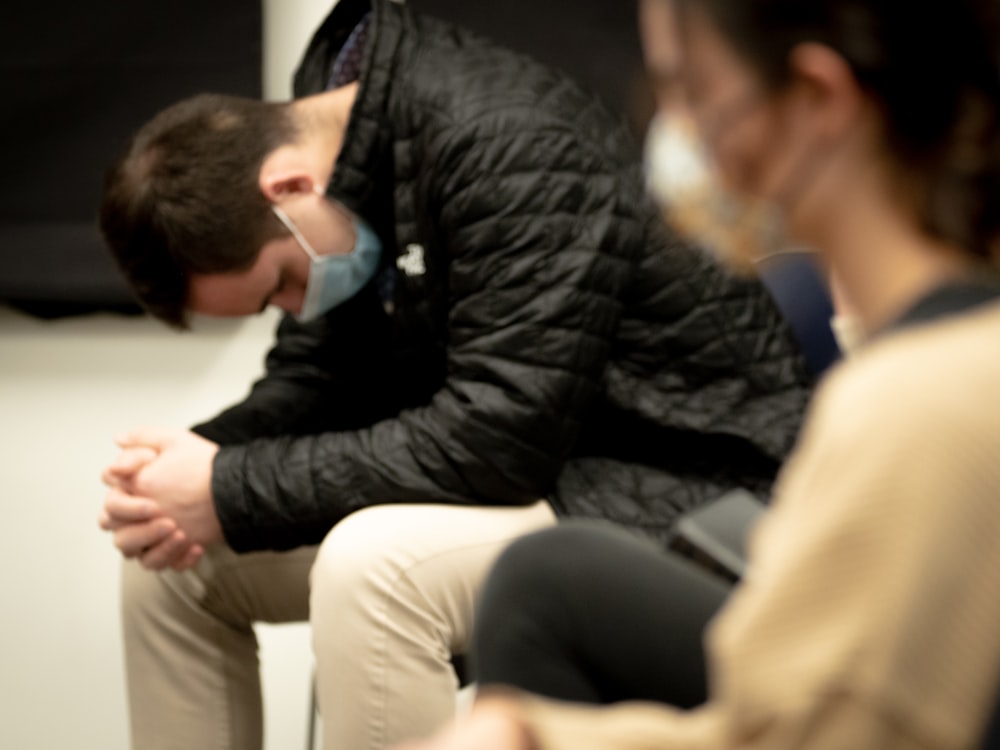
(869, 617)
(534, 284)
(647, 726)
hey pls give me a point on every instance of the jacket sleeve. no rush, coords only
(320, 376)
(536, 271)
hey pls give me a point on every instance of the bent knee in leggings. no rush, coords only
(550, 564)
(594, 613)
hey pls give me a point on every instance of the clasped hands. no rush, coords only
(159, 509)
(159, 506)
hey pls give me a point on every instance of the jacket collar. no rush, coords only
(363, 175)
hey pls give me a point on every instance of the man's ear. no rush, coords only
(282, 174)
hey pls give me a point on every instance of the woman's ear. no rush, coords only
(824, 85)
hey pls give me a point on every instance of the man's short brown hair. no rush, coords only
(184, 198)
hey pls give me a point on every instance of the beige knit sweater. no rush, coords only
(871, 614)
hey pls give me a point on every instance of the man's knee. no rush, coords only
(166, 597)
(429, 560)
(142, 592)
(377, 545)
(360, 551)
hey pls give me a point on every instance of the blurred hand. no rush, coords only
(492, 725)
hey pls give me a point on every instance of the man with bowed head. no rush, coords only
(488, 329)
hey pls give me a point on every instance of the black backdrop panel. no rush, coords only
(76, 78)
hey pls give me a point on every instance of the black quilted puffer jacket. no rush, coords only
(546, 337)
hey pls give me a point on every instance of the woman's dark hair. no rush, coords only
(184, 198)
(930, 65)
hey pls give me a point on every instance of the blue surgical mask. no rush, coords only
(334, 279)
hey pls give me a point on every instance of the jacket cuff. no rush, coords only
(229, 497)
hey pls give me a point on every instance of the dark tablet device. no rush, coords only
(714, 534)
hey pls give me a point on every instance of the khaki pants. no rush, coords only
(390, 594)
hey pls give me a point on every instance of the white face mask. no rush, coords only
(674, 161)
(736, 229)
(334, 279)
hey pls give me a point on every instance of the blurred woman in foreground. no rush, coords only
(871, 614)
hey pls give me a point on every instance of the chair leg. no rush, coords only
(311, 734)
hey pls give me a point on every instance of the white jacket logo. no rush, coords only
(412, 262)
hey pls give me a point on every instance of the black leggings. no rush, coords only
(589, 613)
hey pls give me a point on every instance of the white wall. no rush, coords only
(288, 27)
(65, 388)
